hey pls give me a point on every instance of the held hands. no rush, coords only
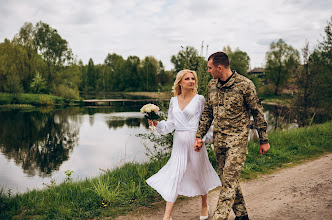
(198, 144)
(263, 148)
(152, 122)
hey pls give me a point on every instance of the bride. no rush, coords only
(187, 173)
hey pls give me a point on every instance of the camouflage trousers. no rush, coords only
(230, 163)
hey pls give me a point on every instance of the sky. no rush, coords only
(161, 28)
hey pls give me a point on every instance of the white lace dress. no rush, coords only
(187, 173)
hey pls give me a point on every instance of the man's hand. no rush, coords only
(198, 144)
(263, 148)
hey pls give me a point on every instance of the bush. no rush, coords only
(45, 100)
(66, 92)
(266, 89)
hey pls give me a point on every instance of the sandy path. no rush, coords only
(300, 192)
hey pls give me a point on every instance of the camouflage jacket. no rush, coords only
(229, 106)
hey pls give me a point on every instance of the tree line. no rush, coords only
(38, 60)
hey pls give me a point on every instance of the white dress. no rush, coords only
(187, 173)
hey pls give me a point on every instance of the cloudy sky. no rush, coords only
(159, 28)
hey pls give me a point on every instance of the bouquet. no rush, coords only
(150, 112)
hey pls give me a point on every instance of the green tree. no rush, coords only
(306, 81)
(38, 84)
(325, 52)
(54, 50)
(164, 79)
(83, 74)
(91, 75)
(11, 66)
(240, 61)
(130, 76)
(67, 82)
(148, 70)
(187, 58)
(113, 63)
(51, 45)
(203, 77)
(33, 62)
(281, 61)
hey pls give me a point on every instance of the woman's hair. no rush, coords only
(176, 89)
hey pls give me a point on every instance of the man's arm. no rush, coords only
(256, 110)
(204, 123)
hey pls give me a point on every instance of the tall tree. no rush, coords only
(11, 66)
(187, 58)
(325, 49)
(148, 70)
(91, 75)
(306, 81)
(34, 62)
(113, 64)
(51, 45)
(281, 61)
(240, 61)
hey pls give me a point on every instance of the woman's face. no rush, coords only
(188, 81)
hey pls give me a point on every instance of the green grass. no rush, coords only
(288, 147)
(278, 99)
(31, 99)
(123, 189)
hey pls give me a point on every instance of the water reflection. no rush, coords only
(36, 141)
(39, 145)
(279, 117)
(129, 122)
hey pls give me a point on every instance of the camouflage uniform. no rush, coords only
(229, 105)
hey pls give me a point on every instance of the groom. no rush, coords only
(230, 100)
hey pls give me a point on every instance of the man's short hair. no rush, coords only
(219, 58)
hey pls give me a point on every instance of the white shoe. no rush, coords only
(202, 217)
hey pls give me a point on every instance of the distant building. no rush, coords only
(257, 71)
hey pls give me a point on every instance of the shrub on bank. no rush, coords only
(31, 99)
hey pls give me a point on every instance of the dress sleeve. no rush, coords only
(208, 137)
(165, 127)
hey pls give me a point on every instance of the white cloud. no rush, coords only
(160, 27)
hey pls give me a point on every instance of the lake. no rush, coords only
(37, 146)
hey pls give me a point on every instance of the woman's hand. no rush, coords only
(152, 122)
(198, 144)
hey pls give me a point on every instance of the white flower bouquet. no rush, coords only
(150, 112)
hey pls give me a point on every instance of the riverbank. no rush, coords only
(121, 190)
(29, 100)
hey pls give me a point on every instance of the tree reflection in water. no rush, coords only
(119, 122)
(38, 141)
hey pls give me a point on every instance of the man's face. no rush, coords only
(214, 71)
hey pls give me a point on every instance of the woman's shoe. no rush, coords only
(203, 217)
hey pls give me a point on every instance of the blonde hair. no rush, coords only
(176, 89)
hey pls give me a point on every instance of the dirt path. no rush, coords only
(300, 192)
